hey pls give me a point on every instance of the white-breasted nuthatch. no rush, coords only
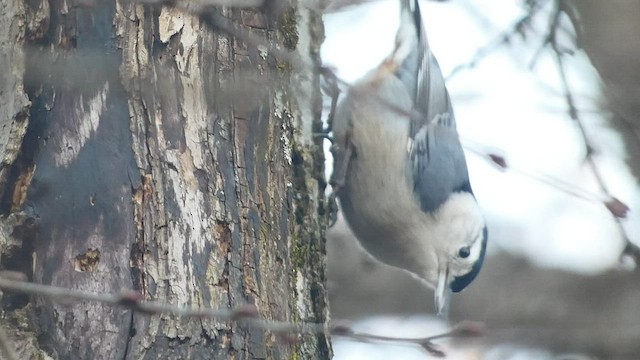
(400, 172)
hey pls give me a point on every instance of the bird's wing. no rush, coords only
(436, 160)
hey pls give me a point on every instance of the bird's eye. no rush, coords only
(464, 252)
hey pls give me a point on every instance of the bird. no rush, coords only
(400, 173)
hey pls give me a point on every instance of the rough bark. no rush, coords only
(172, 159)
(14, 105)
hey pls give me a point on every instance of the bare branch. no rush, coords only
(333, 6)
(202, 5)
(246, 314)
(551, 181)
(518, 28)
(617, 209)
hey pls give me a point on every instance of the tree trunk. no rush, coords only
(167, 157)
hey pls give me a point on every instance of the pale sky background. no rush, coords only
(503, 105)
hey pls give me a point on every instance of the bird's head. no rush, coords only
(462, 241)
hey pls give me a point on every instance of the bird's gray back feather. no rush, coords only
(436, 159)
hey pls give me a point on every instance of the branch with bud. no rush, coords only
(246, 315)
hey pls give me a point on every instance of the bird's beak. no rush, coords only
(443, 293)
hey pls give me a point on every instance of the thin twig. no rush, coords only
(504, 38)
(211, 17)
(552, 34)
(616, 207)
(247, 314)
(551, 181)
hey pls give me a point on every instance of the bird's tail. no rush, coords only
(411, 44)
(415, 65)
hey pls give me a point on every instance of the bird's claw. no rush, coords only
(333, 209)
